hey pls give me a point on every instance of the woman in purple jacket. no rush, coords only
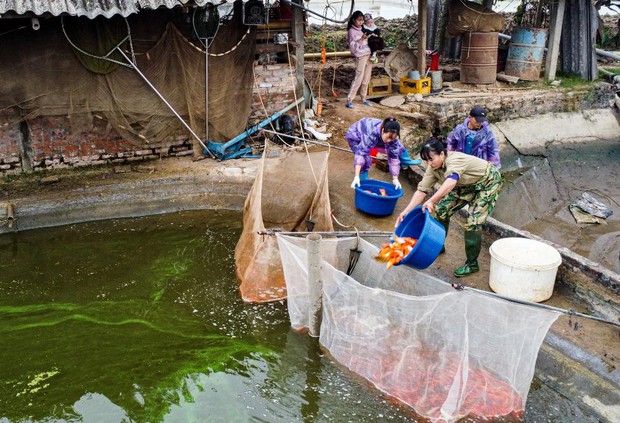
(368, 133)
(358, 44)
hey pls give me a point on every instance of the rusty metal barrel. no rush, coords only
(525, 53)
(479, 57)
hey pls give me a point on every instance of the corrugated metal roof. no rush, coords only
(89, 8)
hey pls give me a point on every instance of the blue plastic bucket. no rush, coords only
(373, 202)
(430, 235)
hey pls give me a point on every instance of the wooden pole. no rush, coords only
(297, 27)
(422, 29)
(315, 285)
(555, 32)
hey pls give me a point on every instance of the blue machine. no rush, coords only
(236, 148)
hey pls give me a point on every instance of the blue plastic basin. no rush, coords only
(373, 202)
(430, 235)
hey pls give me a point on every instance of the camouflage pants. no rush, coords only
(480, 197)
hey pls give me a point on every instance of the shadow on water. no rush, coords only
(141, 320)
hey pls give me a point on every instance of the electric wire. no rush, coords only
(305, 9)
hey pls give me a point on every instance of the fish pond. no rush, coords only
(140, 320)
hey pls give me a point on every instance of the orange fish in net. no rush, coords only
(393, 252)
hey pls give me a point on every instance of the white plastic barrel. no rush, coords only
(523, 268)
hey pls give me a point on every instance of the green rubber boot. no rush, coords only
(446, 225)
(473, 244)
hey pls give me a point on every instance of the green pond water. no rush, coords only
(140, 320)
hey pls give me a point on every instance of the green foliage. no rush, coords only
(615, 71)
(394, 32)
(569, 81)
(609, 39)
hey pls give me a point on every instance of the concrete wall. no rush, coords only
(450, 109)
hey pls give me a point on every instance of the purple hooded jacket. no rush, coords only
(484, 144)
(366, 134)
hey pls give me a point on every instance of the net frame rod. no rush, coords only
(134, 67)
(569, 312)
(328, 233)
(456, 286)
(321, 143)
(131, 64)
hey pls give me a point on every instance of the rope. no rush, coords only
(460, 287)
(233, 48)
(262, 103)
(294, 82)
(206, 45)
(343, 225)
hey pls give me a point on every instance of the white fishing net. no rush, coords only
(448, 354)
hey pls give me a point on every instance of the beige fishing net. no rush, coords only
(468, 16)
(290, 193)
(43, 75)
(447, 354)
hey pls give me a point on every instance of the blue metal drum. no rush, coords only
(525, 53)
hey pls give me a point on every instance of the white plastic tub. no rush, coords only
(524, 269)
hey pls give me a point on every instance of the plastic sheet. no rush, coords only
(591, 205)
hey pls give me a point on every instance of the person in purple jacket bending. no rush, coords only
(474, 137)
(370, 133)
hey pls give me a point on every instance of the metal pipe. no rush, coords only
(10, 215)
(265, 122)
(134, 67)
(606, 54)
(332, 233)
(328, 54)
(315, 285)
(460, 287)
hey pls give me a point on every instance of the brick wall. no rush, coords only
(50, 143)
(274, 86)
